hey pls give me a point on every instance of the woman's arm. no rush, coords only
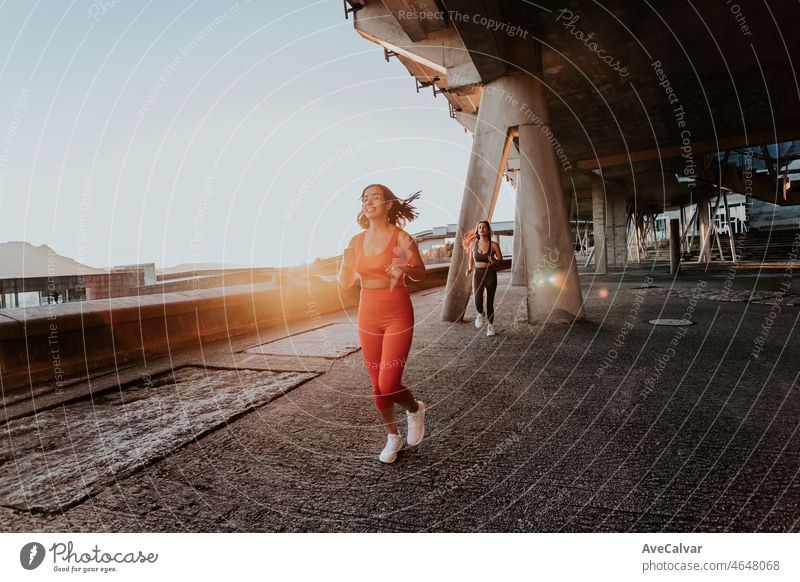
(414, 268)
(497, 254)
(347, 270)
(471, 264)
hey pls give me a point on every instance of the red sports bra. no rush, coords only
(372, 267)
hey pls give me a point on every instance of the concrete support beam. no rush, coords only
(674, 246)
(616, 230)
(508, 107)
(553, 286)
(407, 17)
(518, 276)
(506, 103)
(599, 225)
(664, 151)
(704, 228)
(442, 51)
(493, 52)
(467, 120)
(486, 168)
(638, 231)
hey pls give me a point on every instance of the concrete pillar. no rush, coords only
(616, 230)
(518, 261)
(704, 229)
(504, 105)
(730, 222)
(638, 234)
(518, 101)
(674, 246)
(553, 287)
(599, 226)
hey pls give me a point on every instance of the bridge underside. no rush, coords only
(624, 110)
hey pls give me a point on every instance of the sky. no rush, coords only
(204, 131)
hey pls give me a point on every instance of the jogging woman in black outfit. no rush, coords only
(483, 255)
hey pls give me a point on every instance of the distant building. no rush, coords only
(149, 270)
(439, 236)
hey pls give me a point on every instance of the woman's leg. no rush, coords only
(371, 334)
(389, 419)
(388, 416)
(372, 347)
(477, 286)
(386, 330)
(398, 335)
(398, 319)
(491, 287)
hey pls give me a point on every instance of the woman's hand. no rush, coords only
(395, 271)
(408, 263)
(493, 254)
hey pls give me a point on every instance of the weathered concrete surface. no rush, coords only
(525, 433)
(56, 458)
(764, 296)
(330, 341)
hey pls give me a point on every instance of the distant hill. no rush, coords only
(22, 259)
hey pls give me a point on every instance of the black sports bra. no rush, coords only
(481, 257)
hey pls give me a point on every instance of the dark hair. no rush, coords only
(473, 236)
(401, 212)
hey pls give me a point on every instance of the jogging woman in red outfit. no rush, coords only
(384, 255)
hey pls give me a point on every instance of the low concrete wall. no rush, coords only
(48, 344)
(228, 279)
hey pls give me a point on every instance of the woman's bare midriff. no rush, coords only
(376, 284)
(481, 265)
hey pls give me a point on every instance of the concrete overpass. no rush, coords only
(247, 408)
(615, 111)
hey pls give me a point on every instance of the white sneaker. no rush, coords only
(394, 442)
(416, 425)
(479, 321)
(490, 330)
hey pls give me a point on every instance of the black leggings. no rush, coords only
(485, 279)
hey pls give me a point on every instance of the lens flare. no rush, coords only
(557, 280)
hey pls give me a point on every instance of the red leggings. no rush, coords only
(386, 328)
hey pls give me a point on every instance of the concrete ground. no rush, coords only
(611, 424)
